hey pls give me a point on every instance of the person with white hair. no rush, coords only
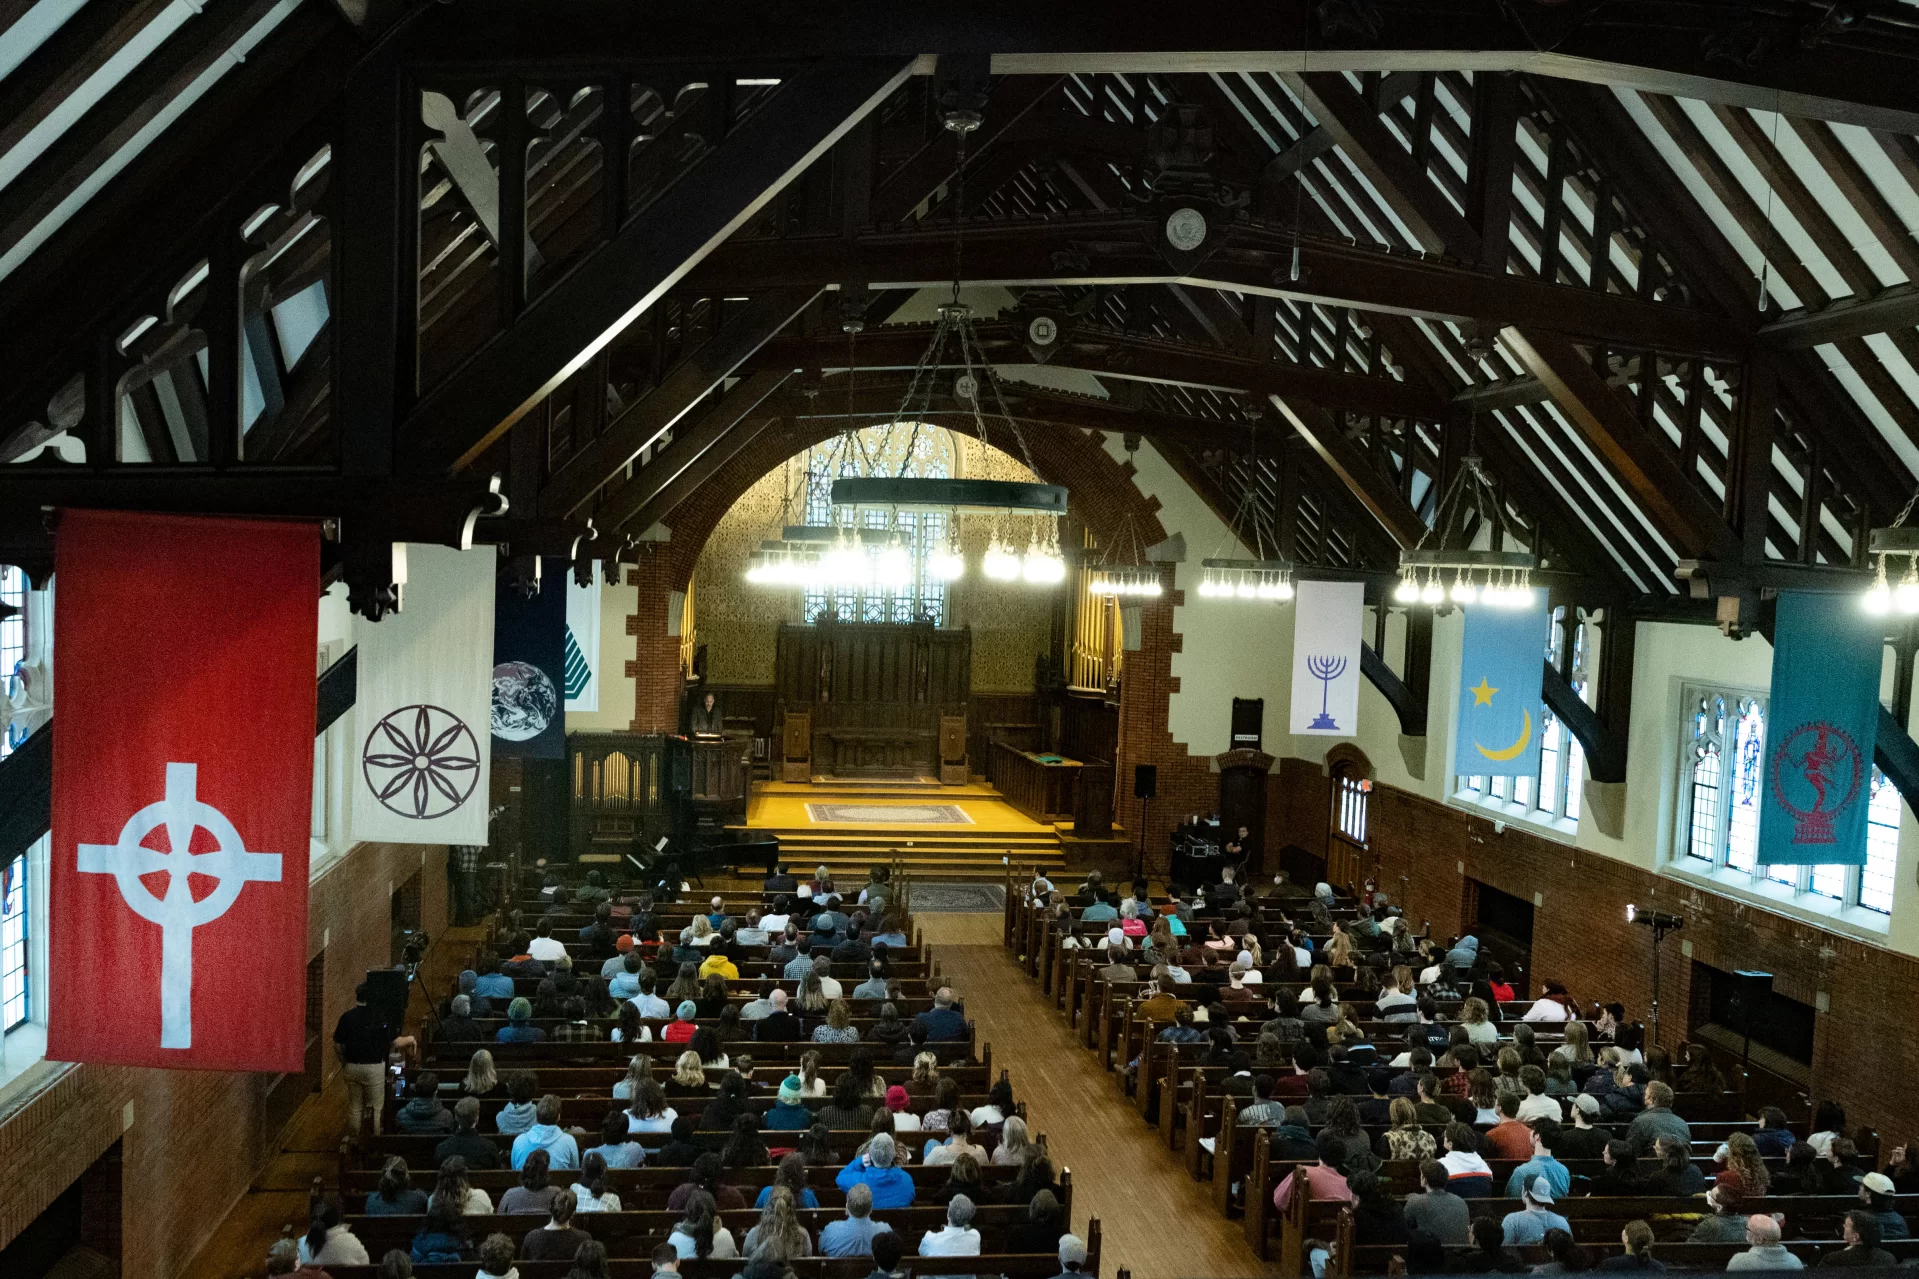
(878, 1170)
(852, 1236)
(1765, 1251)
(957, 1238)
(1072, 1255)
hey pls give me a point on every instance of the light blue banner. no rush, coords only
(1821, 725)
(1502, 660)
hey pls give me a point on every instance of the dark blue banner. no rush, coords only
(1822, 723)
(529, 668)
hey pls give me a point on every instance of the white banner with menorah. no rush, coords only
(1327, 622)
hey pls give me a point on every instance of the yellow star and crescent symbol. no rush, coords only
(1483, 696)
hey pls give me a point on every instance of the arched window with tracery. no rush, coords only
(896, 449)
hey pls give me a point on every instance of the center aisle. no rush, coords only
(1154, 1219)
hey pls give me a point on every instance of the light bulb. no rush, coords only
(1520, 597)
(1407, 591)
(1432, 592)
(947, 564)
(1283, 591)
(1244, 590)
(893, 568)
(1464, 592)
(1878, 599)
(1206, 587)
(1905, 597)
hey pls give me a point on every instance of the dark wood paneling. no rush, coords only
(876, 692)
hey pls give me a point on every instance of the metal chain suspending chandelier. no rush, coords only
(1016, 507)
(1439, 574)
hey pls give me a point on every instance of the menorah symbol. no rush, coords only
(1325, 670)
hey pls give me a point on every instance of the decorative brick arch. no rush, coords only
(1100, 492)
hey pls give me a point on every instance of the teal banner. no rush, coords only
(1502, 660)
(1822, 721)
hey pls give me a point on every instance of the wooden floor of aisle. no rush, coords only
(1154, 1219)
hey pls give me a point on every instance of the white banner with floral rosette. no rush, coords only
(421, 748)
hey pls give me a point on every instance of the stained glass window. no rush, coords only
(896, 450)
(13, 943)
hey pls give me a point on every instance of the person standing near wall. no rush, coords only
(363, 1038)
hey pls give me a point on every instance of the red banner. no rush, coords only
(182, 790)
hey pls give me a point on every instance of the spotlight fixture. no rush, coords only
(1657, 920)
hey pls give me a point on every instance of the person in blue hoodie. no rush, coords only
(492, 983)
(1463, 955)
(546, 1134)
(878, 1171)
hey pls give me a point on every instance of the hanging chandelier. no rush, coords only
(1887, 547)
(1438, 575)
(1265, 578)
(1036, 558)
(1122, 570)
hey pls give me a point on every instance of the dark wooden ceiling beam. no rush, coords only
(1362, 479)
(613, 284)
(1250, 259)
(663, 479)
(1394, 173)
(1643, 44)
(1662, 490)
(1896, 307)
(1102, 351)
(641, 424)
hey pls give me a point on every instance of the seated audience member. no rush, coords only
(957, 1238)
(459, 1027)
(1436, 1209)
(1828, 1121)
(1876, 1191)
(1621, 1174)
(534, 1194)
(852, 1235)
(789, 1112)
(1727, 1222)
(1567, 1256)
(891, 1186)
(941, 1023)
(699, 1235)
(1489, 1254)
(1841, 1172)
(1657, 1120)
(454, 1189)
(1376, 1217)
(1676, 1174)
(519, 1028)
(590, 1192)
(424, 1112)
(1637, 1236)
(546, 1134)
(1545, 1134)
(1468, 1175)
(1509, 1138)
(1764, 1252)
(1322, 1180)
(780, 1025)
(778, 1236)
(328, 1241)
(442, 1239)
(1774, 1134)
(617, 1146)
(559, 1239)
(791, 1173)
(1583, 1140)
(1860, 1230)
(395, 1195)
(1528, 1226)
(1043, 1228)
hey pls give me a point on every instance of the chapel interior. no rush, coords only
(1039, 504)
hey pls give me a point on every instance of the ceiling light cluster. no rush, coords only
(1269, 580)
(1127, 581)
(1894, 544)
(1467, 579)
(1439, 576)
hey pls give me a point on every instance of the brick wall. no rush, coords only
(1866, 1040)
(193, 1140)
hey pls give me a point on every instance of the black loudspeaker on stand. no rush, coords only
(1145, 786)
(386, 994)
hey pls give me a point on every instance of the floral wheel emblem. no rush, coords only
(421, 761)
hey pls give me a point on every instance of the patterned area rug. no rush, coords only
(963, 899)
(891, 814)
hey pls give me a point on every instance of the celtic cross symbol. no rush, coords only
(230, 866)
(421, 761)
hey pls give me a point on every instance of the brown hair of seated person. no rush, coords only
(1637, 1236)
(963, 1179)
(1742, 1157)
(397, 1264)
(496, 1254)
(744, 1149)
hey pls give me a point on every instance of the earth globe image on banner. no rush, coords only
(524, 701)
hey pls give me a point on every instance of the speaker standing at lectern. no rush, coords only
(707, 720)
